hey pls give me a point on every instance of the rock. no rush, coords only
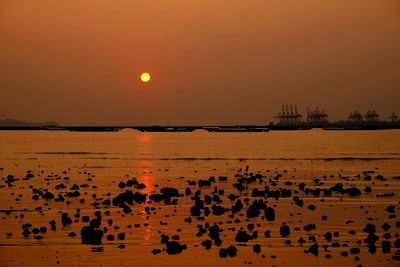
(231, 250)
(207, 244)
(96, 222)
(65, 220)
(26, 232)
(386, 226)
(156, 251)
(38, 237)
(223, 253)
(344, 253)
(48, 196)
(53, 225)
(284, 230)
(267, 233)
(243, 236)
(91, 236)
(217, 210)
(72, 234)
(390, 209)
(309, 227)
(311, 207)
(174, 247)
(314, 249)
(328, 236)
(269, 214)
(386, 246)
(257, 248)
(397, 243)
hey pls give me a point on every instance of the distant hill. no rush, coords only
(16, 123)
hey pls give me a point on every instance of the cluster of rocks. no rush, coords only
(253, 198)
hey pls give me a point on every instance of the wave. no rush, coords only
(321, 159)
(70, 153)
(84, 153)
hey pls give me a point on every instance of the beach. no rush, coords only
(280, 198)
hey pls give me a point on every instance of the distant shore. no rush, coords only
(224, 128)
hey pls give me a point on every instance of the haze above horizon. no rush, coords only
(224, 62)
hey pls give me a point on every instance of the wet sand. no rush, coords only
(175, 211)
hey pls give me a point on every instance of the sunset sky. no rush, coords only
(211, 62)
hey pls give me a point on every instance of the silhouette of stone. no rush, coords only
(65, 220)
(174, 247)
(314, 249)
(121, 236)
(311, 207)
(96, 222)
(53, 225)
(301, 240)
(309, 227)
(217, 210)
(231, 250)
(284, 230)
(328, 236)
(223, 253)
(354, 251)
(386, 226)
(267, 233)
(91, 236)
(207, 244)
(72, 234)
(38, 237)
(269, 214)
(48, 196)
(397, 243)
(243, 236)
(156, 251)
(390, 209)
(386, 246)
(26, 232)
(257, 248)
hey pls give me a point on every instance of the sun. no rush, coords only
(145, 77)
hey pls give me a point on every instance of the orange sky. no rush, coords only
(212, 62)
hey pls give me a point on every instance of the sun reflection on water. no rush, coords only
(145, 176)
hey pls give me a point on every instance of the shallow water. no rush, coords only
(170, 160)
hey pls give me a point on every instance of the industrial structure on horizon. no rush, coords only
(289, 116)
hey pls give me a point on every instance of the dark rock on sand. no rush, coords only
(156, 251)
(269, 214)
(91, 236)
(314, 249)
(65, 220)
(243, 236)
(207, 244)
(257, 248)
(284, 230)
(174, 247)
(231, 251)
(386, 246)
